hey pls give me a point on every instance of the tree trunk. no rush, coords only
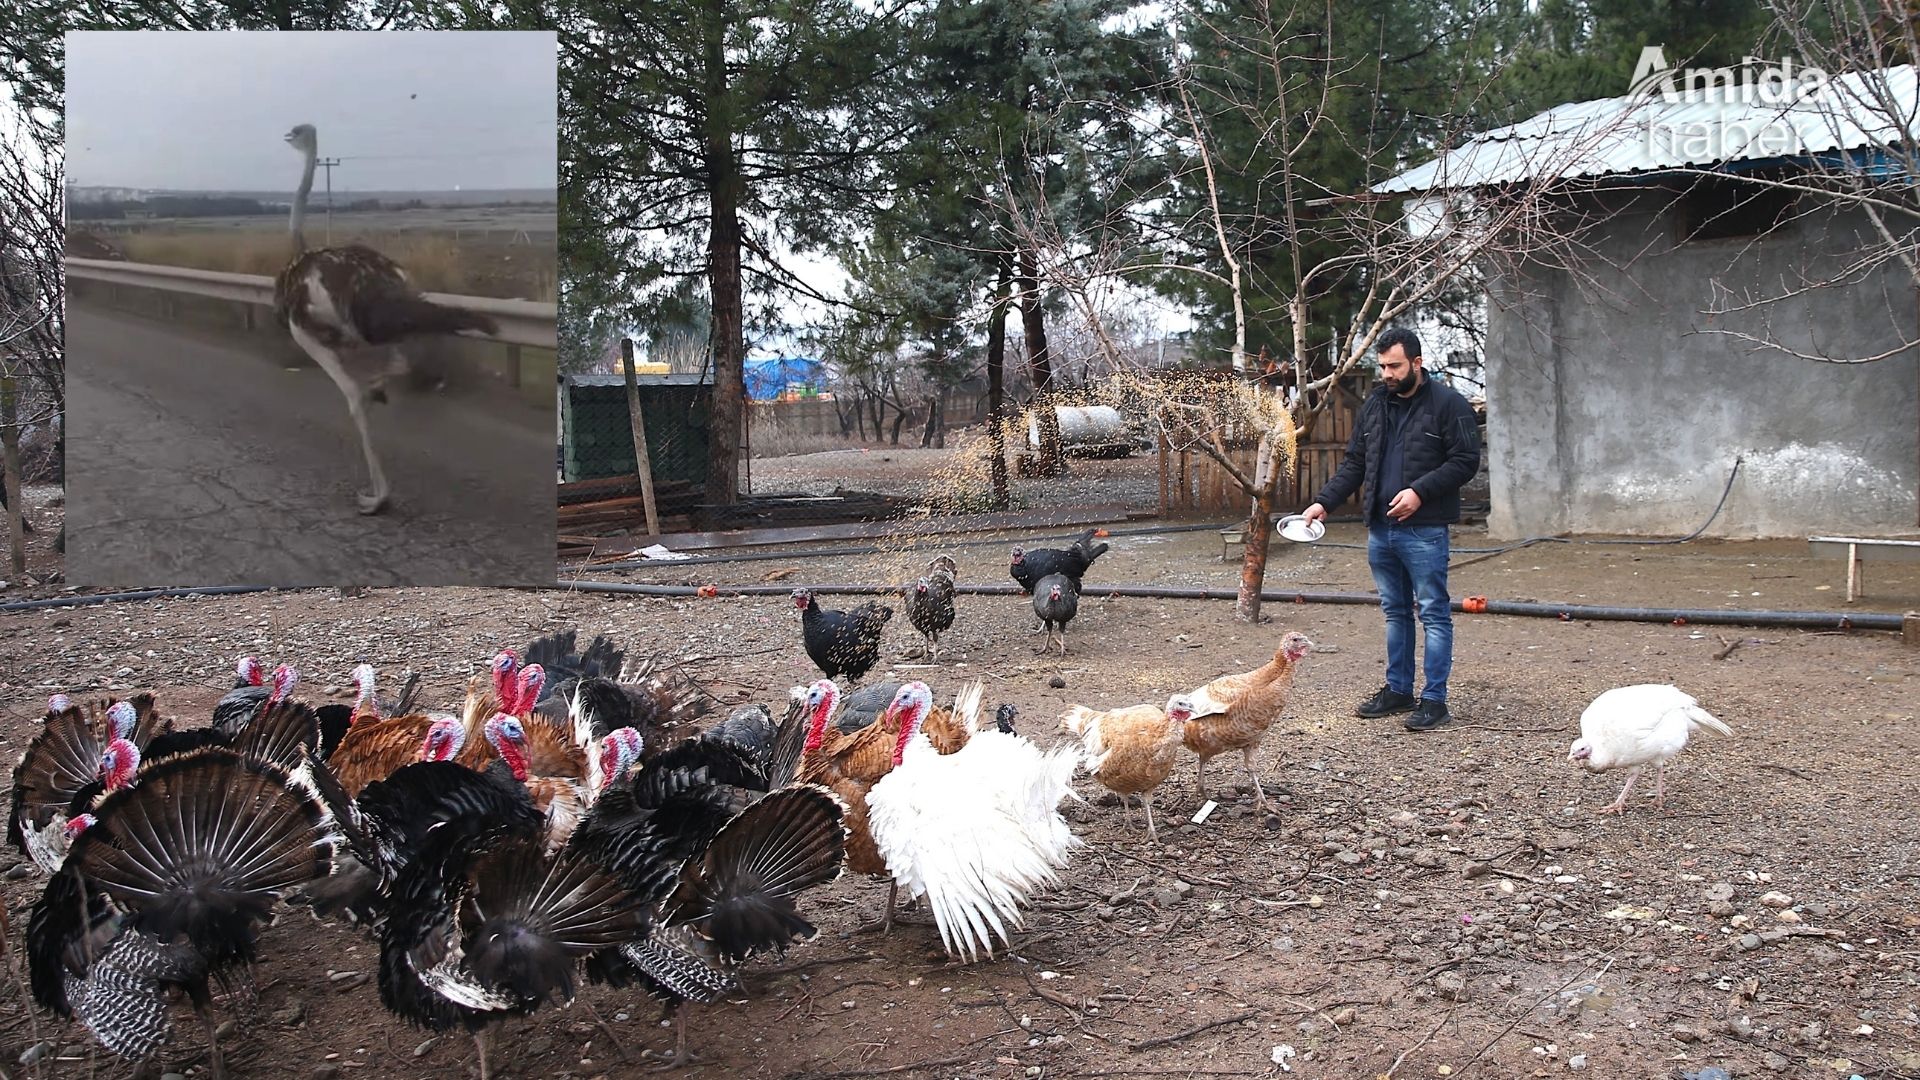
(900, 418)
(1040, 362)
(996, 387)
(723, 253)
(933, 420)
(1253, 566)
(10, 474)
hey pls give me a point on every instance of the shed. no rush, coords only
(1623, 387)
(596, 430)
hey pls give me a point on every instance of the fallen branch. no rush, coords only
(1785, 769)
(1424, 1040)
(1169, 1040)
(894, 1070)
(1768, 937)
(1730, 646)
(1528, 1011)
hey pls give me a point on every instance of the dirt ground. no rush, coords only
(1443, 904)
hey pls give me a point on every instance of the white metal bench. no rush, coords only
(1856, 548)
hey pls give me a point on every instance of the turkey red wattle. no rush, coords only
(508, 739)
(822, 696)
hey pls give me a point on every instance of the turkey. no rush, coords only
(1056, 600)
(611, 693)
(1632, 727)
(1132, 751)
(167, 889)
(865, 705)
(480, 930)
(249, 695)
(841, 642)
(977, 831)
(61, 773)
(1030, 565)
(929, 604)
(717, 859)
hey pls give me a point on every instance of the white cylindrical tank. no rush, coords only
(1082, 425)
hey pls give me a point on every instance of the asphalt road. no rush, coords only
(197, 457)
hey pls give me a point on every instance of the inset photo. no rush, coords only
(311, 293)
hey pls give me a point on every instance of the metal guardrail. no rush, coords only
(522, 322)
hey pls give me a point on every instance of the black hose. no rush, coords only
(1824, 620)
(134, 595)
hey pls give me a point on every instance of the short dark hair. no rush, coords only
(1401, 336)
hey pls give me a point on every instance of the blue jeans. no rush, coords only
(1410, 564)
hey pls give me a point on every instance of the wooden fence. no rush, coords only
(1192, 484)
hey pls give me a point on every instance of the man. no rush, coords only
(1415, 443)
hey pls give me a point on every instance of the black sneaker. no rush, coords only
(1385, 703)
(1429, 715)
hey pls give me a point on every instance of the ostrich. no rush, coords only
(340, 302)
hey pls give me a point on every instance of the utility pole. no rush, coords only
(328, 164)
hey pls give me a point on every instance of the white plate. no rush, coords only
(1301, 531)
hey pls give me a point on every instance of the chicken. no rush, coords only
(841, 642)
(1132, 751)
(977, 831)
(1233, 712)
(929, 604)
(167, 889)
(1029, 566)
(1056, 600)
(1632, 727)
(60, 772)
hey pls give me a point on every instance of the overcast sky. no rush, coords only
(426, 111)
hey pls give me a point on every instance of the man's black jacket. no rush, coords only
(1441, 444)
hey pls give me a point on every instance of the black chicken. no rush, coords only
(610, 695)
(841, 642)
(59, 776)
(1056, 599)
(929, 604)
(167, 889)
(1030, 566)
(717, 860)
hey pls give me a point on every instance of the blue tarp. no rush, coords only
(766, 379)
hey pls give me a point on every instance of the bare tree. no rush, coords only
(32, 331)
(1388, 254)
(1851, 140)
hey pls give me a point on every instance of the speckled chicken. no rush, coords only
(1233, 712)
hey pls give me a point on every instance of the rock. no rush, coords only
(1181, 887)
(1451, 985)
(1474, 870)
(291, 1015)
(1787, 916)
(1711, 1072)
(1749, 942)
(1056, 682)
(1344, 1016)
(1684, 1033)
(36, 1053)
(1776, 1062)
(19, 871)
(1720, 909)
(1720, 890)
(1776, 899)
(326, 1071)
(1104, 913)
(1348, 858)
(1164, 897)
(1429, 859)
(173, 1076)
(425, 1048)
(541, 1045)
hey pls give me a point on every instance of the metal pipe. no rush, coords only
(138, 594)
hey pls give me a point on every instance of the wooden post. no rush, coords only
(1910, 629)
(1161, 441)
(642, 463)
(10, 472)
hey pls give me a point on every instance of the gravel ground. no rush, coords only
(1422, 905)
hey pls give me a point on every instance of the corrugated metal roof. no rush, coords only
(1612, 136)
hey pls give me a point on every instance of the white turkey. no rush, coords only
(1632, 727)
(977, 831)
